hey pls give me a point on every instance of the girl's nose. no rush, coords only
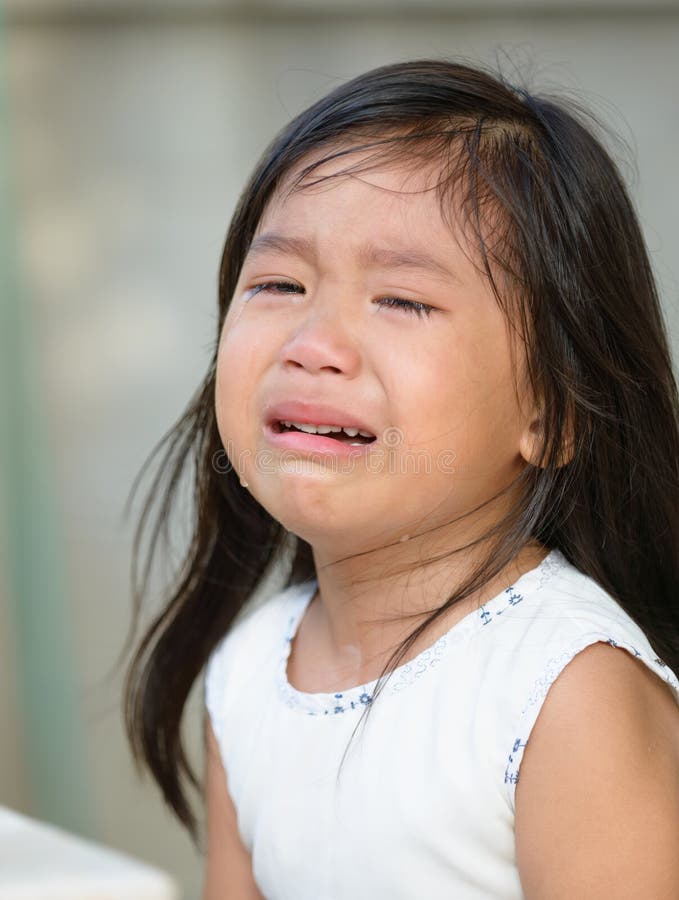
(324, 340)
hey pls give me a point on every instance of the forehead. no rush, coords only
(373, 189)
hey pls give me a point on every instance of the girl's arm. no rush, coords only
(597, 800)
(228, 871)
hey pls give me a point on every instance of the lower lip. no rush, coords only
(313, 443)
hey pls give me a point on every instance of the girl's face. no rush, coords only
(437, 388)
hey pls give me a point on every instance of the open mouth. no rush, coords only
(335, 432)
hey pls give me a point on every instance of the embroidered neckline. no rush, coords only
(333, 703)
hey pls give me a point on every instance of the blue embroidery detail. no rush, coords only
(513, 777)
(513, 598)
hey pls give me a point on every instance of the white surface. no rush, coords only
(42, 862)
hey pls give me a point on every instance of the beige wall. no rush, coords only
(131, 142)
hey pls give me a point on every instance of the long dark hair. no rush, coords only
(568, 254)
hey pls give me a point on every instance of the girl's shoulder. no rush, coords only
(551, 611)
(572, 606)
(573, 612)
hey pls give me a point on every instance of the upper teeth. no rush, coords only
(326, 429)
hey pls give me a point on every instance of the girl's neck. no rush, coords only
(340, 637)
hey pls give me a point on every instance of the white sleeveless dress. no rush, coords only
(424, 806)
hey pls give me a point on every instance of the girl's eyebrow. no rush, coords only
(369, 254)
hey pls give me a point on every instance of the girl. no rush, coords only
(442, 397)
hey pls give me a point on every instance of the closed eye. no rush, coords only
(409, 305)
(287, 287)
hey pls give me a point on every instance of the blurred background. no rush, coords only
(128, 130)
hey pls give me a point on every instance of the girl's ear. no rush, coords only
(531, 441)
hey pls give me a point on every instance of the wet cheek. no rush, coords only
(243, 359)
(232, 388)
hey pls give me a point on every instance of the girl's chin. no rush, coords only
(333, 536)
